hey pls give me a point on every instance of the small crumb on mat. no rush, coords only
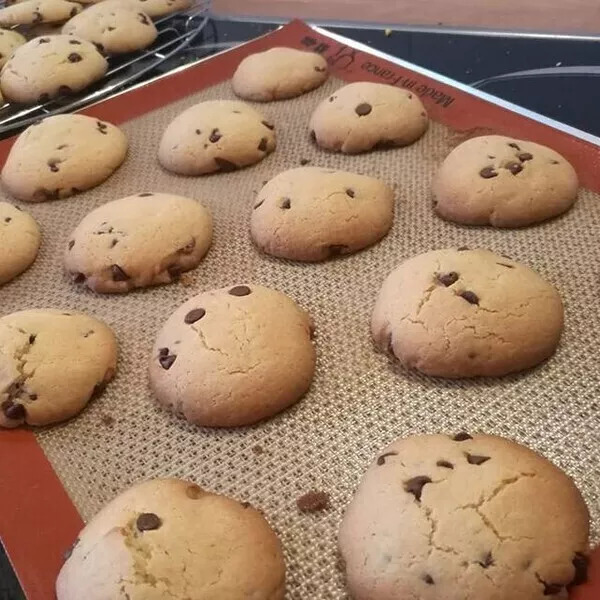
(107, 420)
(313, 501)
(257, 449)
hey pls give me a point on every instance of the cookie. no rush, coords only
(62, 155)
(363, 116)
(160, 8)
(19, 241)
(168, 538)
(464, 517)
(312, 214)
(218, 135)
(278, 73)
(113, 26)
(9, 41)
(32, 12)
(138, 241)
(233, 356)
(51, 364)
(504, 182)
(465, 313)
(50, 66)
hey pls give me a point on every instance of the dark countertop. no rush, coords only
(572, 99)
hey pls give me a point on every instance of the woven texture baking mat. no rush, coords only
(359, 401)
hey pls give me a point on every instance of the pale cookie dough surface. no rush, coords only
(114, 26)
(138, 241)
(9, 41)
(19, 241)
(464, 517)
(363, 116)
(50, 66)
(465, 313)
(233, 356)
(168, 538)
(278, 73)
(312, 214)
(218, 135)
(31, 12)
(62, 155)
(160, 8)
(505, 182)
(51, 364)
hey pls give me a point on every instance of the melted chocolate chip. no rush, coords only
(215, 136)
(145, 194)
(448, 279)
(259, 204)
(240, 290)
(74, 42)
(33, 397)
(143, 19)
(415, 486)
(463, 249)
(462, 437)
(114, 242)
(381, 459)
(332, 98)
(428, 579)
(166, 361)
(148, 522)
(7, 219)
(350, 192)
(74, 57)
(488, 173)
(43, 41)
(514, 167)
(304, 161)
(32, 338)
(78, 277)
(99, 388)
(118, 274)
(363, 109)
(470, 297)
(580, 563)
(475, 459)
(194, 315)
(514, 145)
(551, 589)
(99, 46)
(445, 464)
(337, 249)
(102, 127)
(13, 410)
(225, 165)
(174, 272)
(163, 351)
(53, 165)
(37, 17)
(262, 146)
(524, 156)
(268, 125)
(74, 11)
(486, 561)
(320, 69)
(285, 203)
(313, 135)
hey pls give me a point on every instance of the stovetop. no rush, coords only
(557, 76)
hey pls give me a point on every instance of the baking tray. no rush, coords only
(54, 478)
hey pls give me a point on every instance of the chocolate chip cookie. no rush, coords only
(504, 182)
(464, 517)
(19, 241)
(51, 364)
(61, 156)
(363, 116)
(465, 313)
(9, 41)
(50, 66)
(168, 538)
(278, 73)
(312, 214)
(233, 356)
(33, 12)
(160, 8)
(218, 135)
(138, 241)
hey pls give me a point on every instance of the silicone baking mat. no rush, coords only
(51, 479)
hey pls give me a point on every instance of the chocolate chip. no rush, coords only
(268, 125)
(53, 164)
(194, 315)
(337, 249)
(33, 397)
(461, 437)
(505, 265)
(363, 109)
(7, 219)
(463, 249)
(304, 161)
(225, 165)
(74, 57)
(410, 96)
(262, 146)
(313, 135)
(381, 459)
(245, 504)
(580, 562)
(350, 192)
(74, 11)
(32, 338)
(163, 351)
(260, 203)
(148, 522)
(240, 290)
(74, 42)
(188, 248)
(99, 46)
(193, 492)
(166, 362)
(64, 90)
(488, 173)
(285, 203)
(37, 17)
(43, 41)
(514, 167)
(332, 98)
(174, 272)
(487, 560)
(513, 145)
(554, 162)
(102, 127)
(145, 194)
(475, 459)
(110, 28)
(524, 156)
(143, 19)
(445, 464)
(470, 297)
(62, 146)
(550, 589)
(415, 486)
(114, 242)
(215, 136)
(448, 279)
(78, 277)
(320, 69)
(13, 410)
(99, 388)
(491, 157)
(313, 501)
(428, 579)
(118, 274)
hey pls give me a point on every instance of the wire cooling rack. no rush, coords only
(176, 33)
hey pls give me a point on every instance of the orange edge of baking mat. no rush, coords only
(38, 521)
